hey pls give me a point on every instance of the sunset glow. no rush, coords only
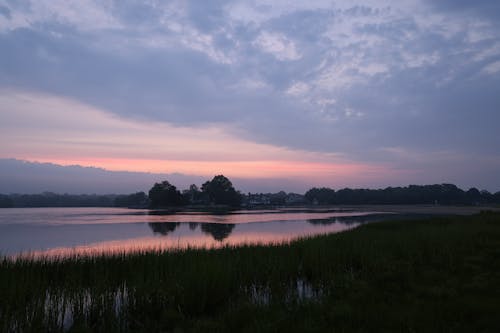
(313, 94)
(93, 138)
(185, 162)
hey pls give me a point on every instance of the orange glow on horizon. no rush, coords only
(241, 169)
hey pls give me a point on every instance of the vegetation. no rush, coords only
(164, 194)
(193, 195)
(6, 201)
(220, 191)
(135, 200)
(440, 274)
(49, 199)
(413, 194)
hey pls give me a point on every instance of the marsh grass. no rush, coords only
(439, 274)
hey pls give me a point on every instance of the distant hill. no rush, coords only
(17, 176)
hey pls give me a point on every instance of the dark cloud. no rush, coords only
(206, 15)
(486, 8)
(136, 13)
(5, 12)
(174, 85)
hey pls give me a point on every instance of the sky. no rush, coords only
(279, 94)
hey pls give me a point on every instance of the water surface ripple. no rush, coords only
(66, 231)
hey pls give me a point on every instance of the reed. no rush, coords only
(439, 274)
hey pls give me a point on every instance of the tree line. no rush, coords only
(49, 199)
(220, 192)
(444, 194)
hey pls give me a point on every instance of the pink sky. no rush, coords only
(65, 132)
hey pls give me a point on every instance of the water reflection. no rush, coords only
(347, 220)
(219, 231)
(161, 212)
(163, 228)
(69, 231)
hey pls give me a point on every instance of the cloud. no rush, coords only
(278, 45)
(423, 74)
(83, 15)
(68, 133)
(298, 89)
(492, 68)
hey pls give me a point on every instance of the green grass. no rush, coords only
(440, 274)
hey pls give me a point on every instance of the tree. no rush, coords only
(473, 196)
(164, 194)
(496, 198)
(278, 198)
(193, 195)
(220, 191)
(6, 201)
(320, 196)
(138, 199)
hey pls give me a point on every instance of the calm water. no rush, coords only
(63, 231)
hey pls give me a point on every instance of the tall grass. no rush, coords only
(440, 274)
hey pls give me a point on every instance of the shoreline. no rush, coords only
(423, 275)
(425, 209)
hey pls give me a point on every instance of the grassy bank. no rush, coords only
(440, 274)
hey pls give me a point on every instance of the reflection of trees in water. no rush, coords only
(365, 218)
(219, 231)
(332, 220)
(162, 212)
(347, 219)
(163, 228)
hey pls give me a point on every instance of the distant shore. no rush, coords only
(400, 209)
(395, 208)
(423, 209)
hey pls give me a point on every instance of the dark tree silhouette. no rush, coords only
(322, 196)
(49, 199)
(164, 194)
(473, 195)
(6, 201)
(193, 195)
(220, 191)
(412, 194)
(139, 199)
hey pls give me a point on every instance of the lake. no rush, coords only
(67, 231)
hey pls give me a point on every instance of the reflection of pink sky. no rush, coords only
(87, 216)
(194, 239)
(250, 218)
